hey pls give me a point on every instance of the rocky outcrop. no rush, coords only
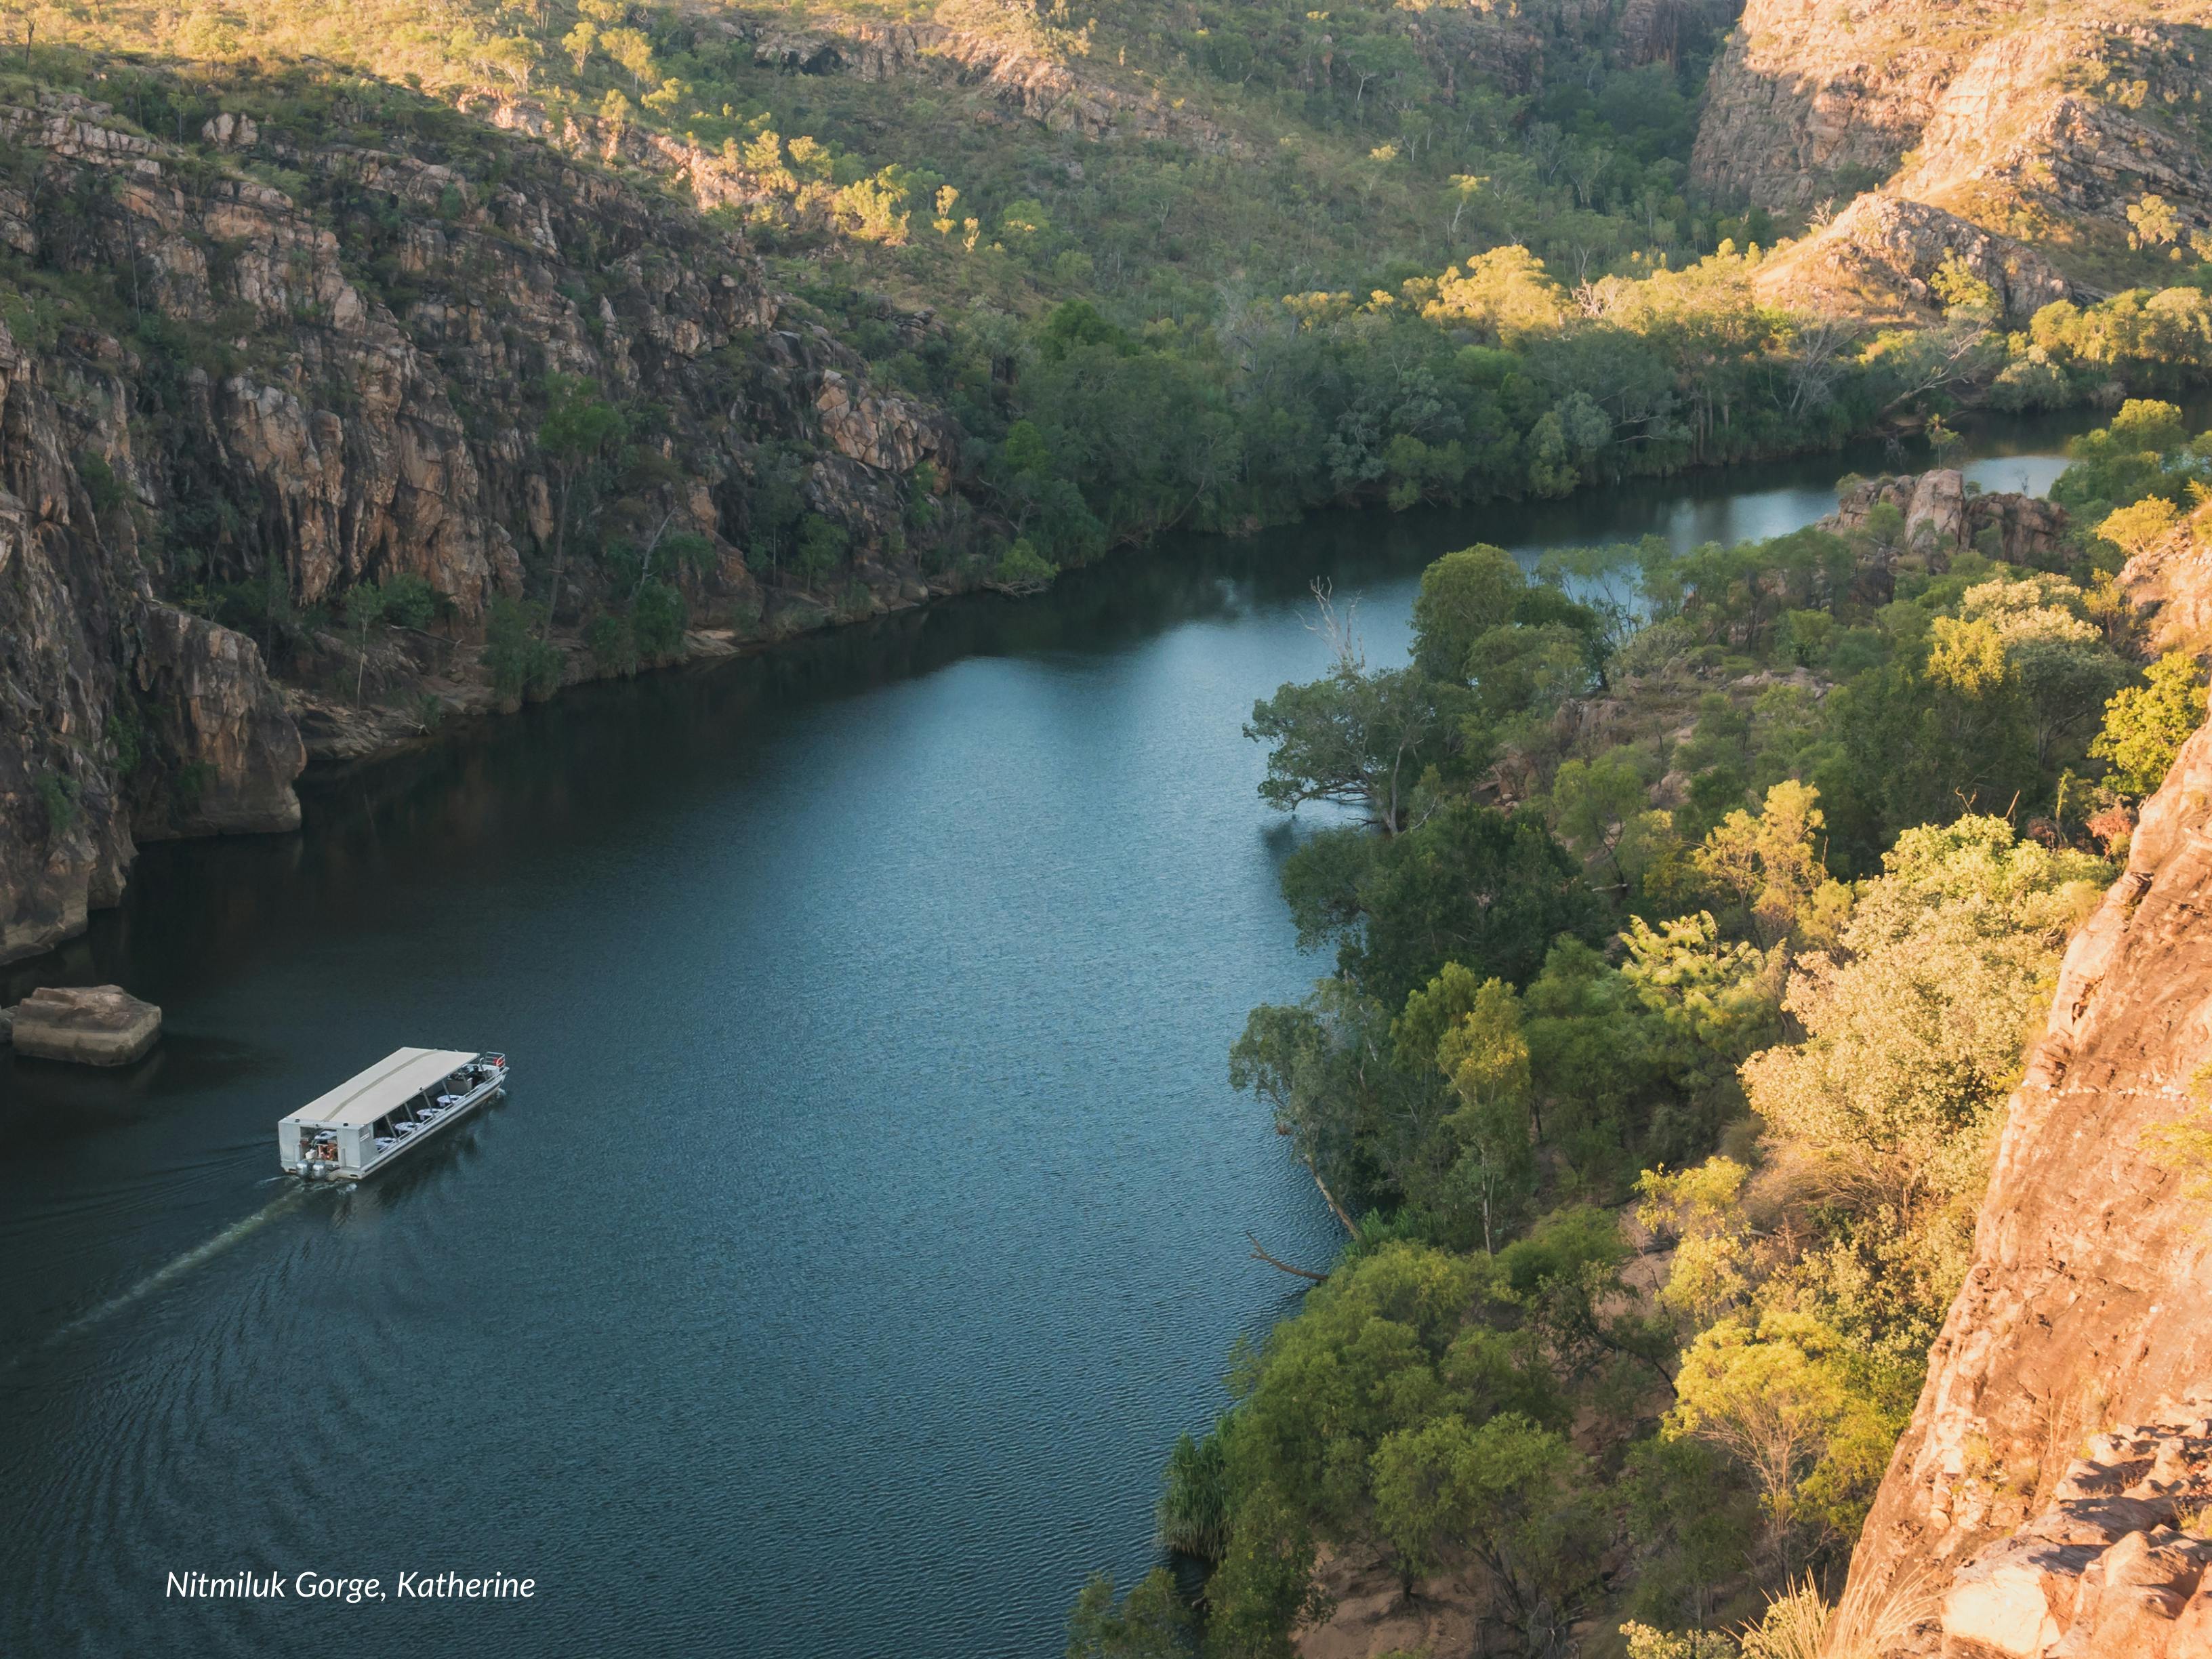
(206, 696)
(2076, 117)
(1938, 518)
(2170, 584)
(2084, 1306)
(258, 399)
(2004, 115)
(2115, 1568)
(1877, 259)
(92, 1026)
(1811, 100)
(1015, 62)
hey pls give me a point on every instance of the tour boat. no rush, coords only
(374, 1119)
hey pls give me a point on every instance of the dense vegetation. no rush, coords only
(1691, 916)
(1641, 865)
(1322, 260)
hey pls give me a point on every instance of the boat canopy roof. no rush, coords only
(400, 1075)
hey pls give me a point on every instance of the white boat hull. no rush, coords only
(427, 1125)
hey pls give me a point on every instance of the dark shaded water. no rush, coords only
(868, 1214)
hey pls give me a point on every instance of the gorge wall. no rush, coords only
(1985, 127)
(252, 397)
(2083, 1311)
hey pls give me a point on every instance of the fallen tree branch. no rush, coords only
(1260, 1254)
(1335, 1208)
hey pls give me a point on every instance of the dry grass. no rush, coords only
(1866, 1624)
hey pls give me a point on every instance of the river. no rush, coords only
(869, 1211)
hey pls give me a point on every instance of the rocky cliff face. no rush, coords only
(1877, 259)
(2029, 125)
(2170, 584)
(249, 400)
(2116, 1566)
(2084, 1307)
(128, 719)
(1810, 99)
(2085, 109)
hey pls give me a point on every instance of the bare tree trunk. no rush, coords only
(1260, 1254)
(559, 552)
(1329, 1198)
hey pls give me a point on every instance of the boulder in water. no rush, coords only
(95, 1025)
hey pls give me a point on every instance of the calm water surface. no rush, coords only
(868, 1214)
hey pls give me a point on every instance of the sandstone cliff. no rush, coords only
(2170, 584)
(1877, 258)
(249, 373)
(2115, 1569)
(2027, 126)
(2083, 1309)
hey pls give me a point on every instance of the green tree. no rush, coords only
(2134, 528)
(1356, 737)
(1264, 1588)
(1512, 1496)
(1596, 803)
(2145, 725)
(1914, 1026)
(1468, 1031)
(1321, 1066)
(579, 428)
(2152, 222)
(822, 546)
(1462, 596)
(657, 619)
(1713, 1001)
(1766, 868)
(1777, 1396)
(1150, 1622)
(1690, 1518)
(1467, 884)
(523, 663)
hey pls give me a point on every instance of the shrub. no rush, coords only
(522, 663)
(57, 794)
(656, 618)
(2145, 725)
(1022, 566)
(822, 547)
(408, 601)
(611, 643)
(1193, 1510)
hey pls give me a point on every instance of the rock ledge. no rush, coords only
(2116, 1566)
(95, 1025)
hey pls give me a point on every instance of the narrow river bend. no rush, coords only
(869, 1213)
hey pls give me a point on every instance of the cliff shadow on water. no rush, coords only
(596, 751)
(871, 1180)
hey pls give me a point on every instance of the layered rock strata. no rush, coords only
(269, 396)
(1880, 258)
(2115, 1568)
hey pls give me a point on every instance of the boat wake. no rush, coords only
(171, 1271)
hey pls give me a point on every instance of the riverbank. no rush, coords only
(895, 1436)
(423, 689)
(338, 733)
